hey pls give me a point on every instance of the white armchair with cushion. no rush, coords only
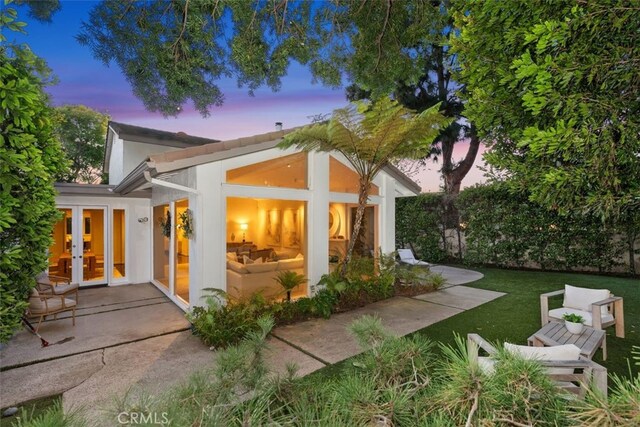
(567, 369)
(598, 307)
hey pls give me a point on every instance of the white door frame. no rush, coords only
(77, 250)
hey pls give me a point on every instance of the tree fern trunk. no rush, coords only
(363, 197)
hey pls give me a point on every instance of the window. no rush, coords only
(118, 244)
(287, 172)
(343, 179)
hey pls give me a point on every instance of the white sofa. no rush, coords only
(246, 280)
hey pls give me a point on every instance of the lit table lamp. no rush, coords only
(244, 228)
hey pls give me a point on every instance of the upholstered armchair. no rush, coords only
(598, 307)
(565, 367)
(56, 285)
(43, 305)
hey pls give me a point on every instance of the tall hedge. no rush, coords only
(29, 157)
(508, 230)
(420, 226)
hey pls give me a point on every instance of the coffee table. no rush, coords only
(555, 333)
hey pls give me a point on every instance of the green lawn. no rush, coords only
(515, 316)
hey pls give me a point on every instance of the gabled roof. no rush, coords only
(172, 161)
(158, 137)
(149, 136)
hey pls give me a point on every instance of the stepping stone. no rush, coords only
(462, 297)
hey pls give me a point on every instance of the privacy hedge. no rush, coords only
(507, 230)
(29, 158)
(420, 225)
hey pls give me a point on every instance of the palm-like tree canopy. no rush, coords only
(370, 135)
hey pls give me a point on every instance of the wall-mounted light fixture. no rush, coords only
(244, 228)
(143, 220)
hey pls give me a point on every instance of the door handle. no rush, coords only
(74, 257)
(80, 256)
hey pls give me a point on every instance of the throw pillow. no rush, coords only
(237, 267)
(582, 298)
(558, 352)
(246, 260)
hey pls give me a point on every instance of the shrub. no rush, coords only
(30, 157)
(222, 322)
(398, 381)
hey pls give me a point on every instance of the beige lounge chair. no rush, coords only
(598, 307)
(56, 285)
(569, 371)
(43, 305)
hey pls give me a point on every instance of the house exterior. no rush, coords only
(188, 213)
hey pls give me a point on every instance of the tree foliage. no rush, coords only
(29, 158)
(81, 131)
(559, 98)
(369, 136)
(172, 52)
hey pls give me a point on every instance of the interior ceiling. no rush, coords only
(289, 171)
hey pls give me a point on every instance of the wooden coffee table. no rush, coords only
(555, 333)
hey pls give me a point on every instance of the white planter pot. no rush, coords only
(574, 328)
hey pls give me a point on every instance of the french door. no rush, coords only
(80, 245)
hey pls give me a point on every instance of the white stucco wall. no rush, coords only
(137, 234)
(116, 161)
(136, 152)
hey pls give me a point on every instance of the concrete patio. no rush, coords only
(134, 337)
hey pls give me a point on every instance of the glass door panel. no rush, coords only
(181, 251)
(118, 236)
(92, 252)
(60, 249)
(161, 226)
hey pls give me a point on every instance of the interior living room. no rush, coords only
(264, 237)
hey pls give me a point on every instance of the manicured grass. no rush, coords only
(516, 316)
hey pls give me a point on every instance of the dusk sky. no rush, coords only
(85, 80)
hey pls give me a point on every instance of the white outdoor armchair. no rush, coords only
(565, 367)
(598, 307)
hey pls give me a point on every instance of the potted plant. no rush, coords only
(573, 322)
(289, 280)
(165, 225)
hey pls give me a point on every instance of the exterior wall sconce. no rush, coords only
(143, 220)
(244, 228)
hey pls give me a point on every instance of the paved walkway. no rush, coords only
(134, 336)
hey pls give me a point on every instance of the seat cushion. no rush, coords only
(557, 314)
(558, 352)
(38, 306)
(487, 365)
(582, 298)
(261, 267)
(236, 266)
(290, 264)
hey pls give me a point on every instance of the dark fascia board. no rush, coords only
(95, 190)
(158, 137)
